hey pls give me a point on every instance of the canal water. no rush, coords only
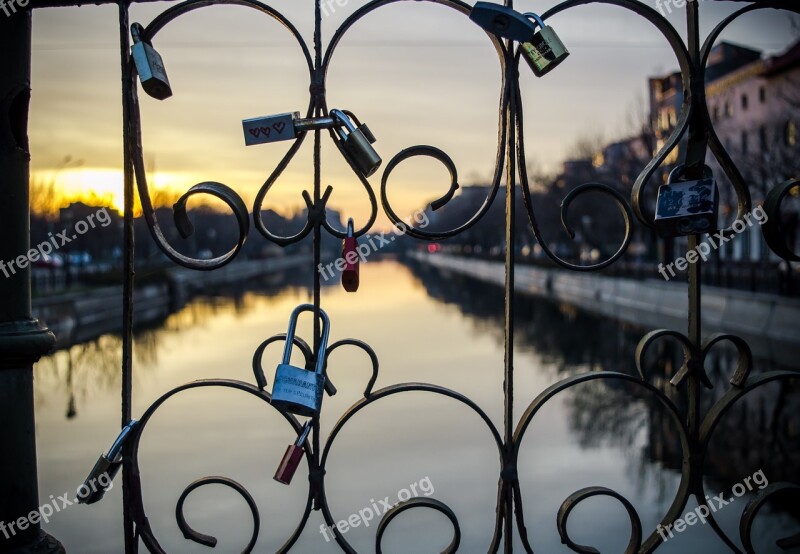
(425, 326)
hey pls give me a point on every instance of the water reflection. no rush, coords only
(87, 369)
(434, 328)
(761, 431)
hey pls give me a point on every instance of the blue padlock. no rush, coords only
(299, 391)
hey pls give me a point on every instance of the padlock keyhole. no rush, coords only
(501, 23)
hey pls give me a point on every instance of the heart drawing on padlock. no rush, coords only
(260, 131)
(280, 126)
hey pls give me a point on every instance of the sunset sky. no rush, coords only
(416, 72)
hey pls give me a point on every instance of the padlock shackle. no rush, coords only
(115, 451)
(136, 32)
(323, 345)
(537, 18)
(301, 438)
(677, 175)
(342, 118)
(352, 117)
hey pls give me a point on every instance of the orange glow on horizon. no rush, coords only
(53, 189)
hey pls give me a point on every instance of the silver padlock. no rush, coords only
(357, 143)
(544, 51)
(687, 208)
(282, 126)
(272, 128)
(149, 66)
(297, 390)
(108, 465)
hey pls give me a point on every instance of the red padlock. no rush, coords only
(291, 459)
(351, 258)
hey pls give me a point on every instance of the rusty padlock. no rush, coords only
(351, 259)
(291, 459)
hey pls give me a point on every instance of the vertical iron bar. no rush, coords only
(316, 79)
(22, 339)
(695, 168)
(131, 545)
(508, 382)
(698, 142)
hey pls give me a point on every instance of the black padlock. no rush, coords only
(101, 477)
(357, 144)
(687, 208)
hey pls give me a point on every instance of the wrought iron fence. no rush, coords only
(694, 427)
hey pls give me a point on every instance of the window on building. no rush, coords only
(715, 113)
(664, 120)
(745, 102)
(728, 109)
(744, 142)
(762, 94)
(791, 133)
(762, 138)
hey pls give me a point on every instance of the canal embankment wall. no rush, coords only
(81, 316)
(769, 323)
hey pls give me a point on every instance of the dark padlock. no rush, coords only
(149, 66)
(106, 468)
(502, 21)
(544, 51)
(291, 459)
(360, 126)
(687, 208)
(357, 144)
(350, 256)
(297, 390)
